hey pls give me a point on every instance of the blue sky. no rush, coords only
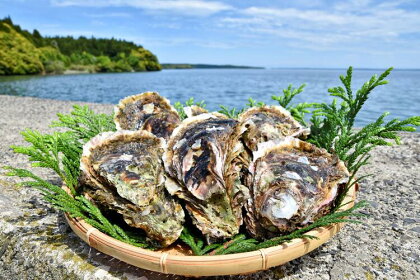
(300, 33)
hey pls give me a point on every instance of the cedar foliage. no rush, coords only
(180, 107)
(61, 152)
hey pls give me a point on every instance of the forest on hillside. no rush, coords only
(23, 52)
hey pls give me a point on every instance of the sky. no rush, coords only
(299, 33)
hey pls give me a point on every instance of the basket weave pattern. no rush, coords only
(176, 260)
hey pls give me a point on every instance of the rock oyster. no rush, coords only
(202, 156)
(293, 183)
(218, 166)
(124, 173)
(268, 123)
(194, 110)
(148, 111)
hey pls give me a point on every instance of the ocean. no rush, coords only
(229, 87)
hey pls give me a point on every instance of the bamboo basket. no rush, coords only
(178, 260)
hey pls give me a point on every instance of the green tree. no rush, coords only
(23, 52)
(104, 64)
(18, 55)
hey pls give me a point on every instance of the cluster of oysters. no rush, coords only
(222, 172)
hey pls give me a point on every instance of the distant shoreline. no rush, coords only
(178, 66)
(206, 66)
(85, 72)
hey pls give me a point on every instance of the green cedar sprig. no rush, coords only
(60, 152)
(299, 110)
(197, 244)
(180, 107)
(232, 113)
(240, 243)
(84, 123)
(231, 246)
(329, 219)
(77, 206)
(332, 124)
(288, 94)
(254, 103)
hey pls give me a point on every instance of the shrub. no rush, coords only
(18, 55)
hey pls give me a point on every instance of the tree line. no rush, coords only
(23, 52)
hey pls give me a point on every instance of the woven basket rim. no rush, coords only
(188, 265)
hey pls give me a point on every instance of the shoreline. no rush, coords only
(36, 242)
(73, 72)
(83, 72)
(86, 72)
(70, 72)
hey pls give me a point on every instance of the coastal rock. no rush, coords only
(37, 243)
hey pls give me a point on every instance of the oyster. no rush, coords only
(148, 111)
(293, 183)
(124, 172)
(202, 157)
(162, 124)
(194, 110)
(268, 123)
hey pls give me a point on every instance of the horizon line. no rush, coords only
(293, 67)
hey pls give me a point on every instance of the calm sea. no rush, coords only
(230, 87)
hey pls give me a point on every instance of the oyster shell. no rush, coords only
(268, 123)
(162, 124)
(194, 110)
(293, 183)
(202, 157)
(124, 172)
(148, 111)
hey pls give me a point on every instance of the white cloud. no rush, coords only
(354, 26)
(109, 15)
(363, 26)
(96, 22)
(352, 5)
(186, 7)
(182, 41)
(295, 14)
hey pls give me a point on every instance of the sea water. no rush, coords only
(229, 87)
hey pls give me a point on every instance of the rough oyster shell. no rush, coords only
(162, 124)
(293, 183)
(194, 110)
(268, 123)
(201, 157)
(148, 111)
(124, 172)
